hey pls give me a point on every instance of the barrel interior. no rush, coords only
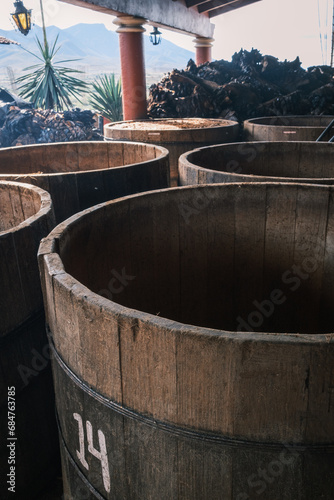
(235, 257)
(292, 160)
(17, 203)
(73, 157)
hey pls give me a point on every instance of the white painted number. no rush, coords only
(81, 452)
(99, 454)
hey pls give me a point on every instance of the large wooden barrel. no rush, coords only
(303, 162)
(286, 128)
(177, 135)
(82, 174)
(193, 345)
(29, 448)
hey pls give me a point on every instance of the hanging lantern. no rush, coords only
(155, 36)
(22, 17)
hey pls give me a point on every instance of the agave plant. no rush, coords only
(50, 85)
(107, 97)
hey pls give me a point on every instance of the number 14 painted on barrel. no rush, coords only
(100, 455)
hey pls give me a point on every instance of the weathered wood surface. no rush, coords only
(185, 138)
(286, 128)
(192, 394)
(302, 162)
(26, 216)
(82, 174)
(149, 459)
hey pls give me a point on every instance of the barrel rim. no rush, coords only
(230, 123)
(3, 177)
(195, 434)
(45, 208)
(255, 121)
(207, 135)
(48, 252)
(184, 162)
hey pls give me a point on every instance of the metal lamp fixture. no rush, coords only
(22, 17)
(155, 36)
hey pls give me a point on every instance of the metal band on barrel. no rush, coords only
(181, 431)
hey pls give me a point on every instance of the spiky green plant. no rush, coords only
(107, 97)
(50, 85)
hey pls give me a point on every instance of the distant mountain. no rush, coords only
(93, 45)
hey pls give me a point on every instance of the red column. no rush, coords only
(132, 66)
(203, 49)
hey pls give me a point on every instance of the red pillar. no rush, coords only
(203, 50)
(132, 67)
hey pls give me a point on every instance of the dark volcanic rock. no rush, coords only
(249, 86)
(30, 126)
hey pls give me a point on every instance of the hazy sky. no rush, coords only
(282, 28)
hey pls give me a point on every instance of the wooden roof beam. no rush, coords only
(230, 5)
(215, 4)
(169, 14)
(194, 3)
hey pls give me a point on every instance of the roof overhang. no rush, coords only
(216, 7)
(170, 14)
(185, 16)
